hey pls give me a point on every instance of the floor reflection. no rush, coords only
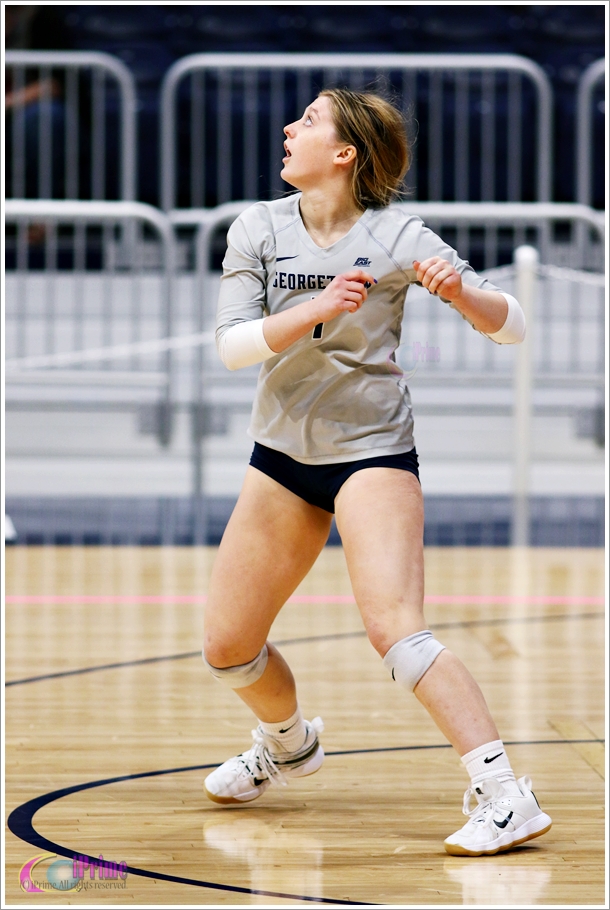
(278, 859)
(492, 882)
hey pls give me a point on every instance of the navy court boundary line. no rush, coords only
(20, 821)
(306, 640)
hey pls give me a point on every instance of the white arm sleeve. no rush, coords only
(244, 344)
(513, 330)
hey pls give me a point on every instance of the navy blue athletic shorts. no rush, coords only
(318, 484)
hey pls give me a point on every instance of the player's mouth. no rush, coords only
(288, 153)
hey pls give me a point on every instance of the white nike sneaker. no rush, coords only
(500, 821)
(247, 776)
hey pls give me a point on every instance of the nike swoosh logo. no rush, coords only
(290, 727)
(505, 822)
(257, 782)
(281, 258)
(488, 760)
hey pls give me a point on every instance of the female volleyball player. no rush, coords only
(314, 286)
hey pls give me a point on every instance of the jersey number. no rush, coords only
(317, 332)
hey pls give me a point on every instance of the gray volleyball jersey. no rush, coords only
(335, 394)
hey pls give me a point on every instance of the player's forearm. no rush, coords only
(495, 314)
(250, 342)
(345, 294)
(282, 329)
(256, 340)
(486, 310)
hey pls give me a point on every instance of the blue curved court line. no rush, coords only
(470, 623)
(20, 821)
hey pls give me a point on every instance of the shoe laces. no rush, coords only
(487, 803)
(485, 808)
(258, 759)
(466, 810)
(483, 811)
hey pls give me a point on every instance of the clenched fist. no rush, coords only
(345, 294)
(439, 277)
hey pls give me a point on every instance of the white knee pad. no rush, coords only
(243, 675)
(410, 657)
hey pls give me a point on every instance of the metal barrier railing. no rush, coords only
(71, 126)
(592, 82)
(67, 118)
(94, 308)
(86, 305)
(222, 117)
(62, 135)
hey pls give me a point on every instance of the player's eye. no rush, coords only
(307, 119)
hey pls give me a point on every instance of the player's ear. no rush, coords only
(346, 155)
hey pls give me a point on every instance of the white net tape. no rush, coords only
(563, 274)
(73, 358)
(559, 273)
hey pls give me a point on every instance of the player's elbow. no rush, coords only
(512, 335)
(225, 352)
(520, 334)
(231, 363)
(243, 345)
(513, 330)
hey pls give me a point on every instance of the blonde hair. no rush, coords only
(377, 131)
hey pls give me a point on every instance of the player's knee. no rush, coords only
(216, 652)
(236, 676)
(222, 648)
(379, 637)
(380, 634)
(411, 657)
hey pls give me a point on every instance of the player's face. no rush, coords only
(311, 146)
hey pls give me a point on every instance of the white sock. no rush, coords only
(289, 734)
(491, 760)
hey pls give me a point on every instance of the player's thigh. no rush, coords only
(380, 517)
(270, 543)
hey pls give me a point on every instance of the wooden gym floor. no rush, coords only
(112, 722)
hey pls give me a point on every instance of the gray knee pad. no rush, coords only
(243, 675)
(410, 657)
